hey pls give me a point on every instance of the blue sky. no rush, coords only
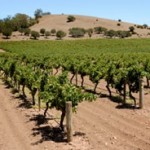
(134, 11)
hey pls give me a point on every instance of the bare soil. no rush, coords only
(100, 125)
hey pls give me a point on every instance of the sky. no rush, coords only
(133, 11)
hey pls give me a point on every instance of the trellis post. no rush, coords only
(141, 93)
(69, 120)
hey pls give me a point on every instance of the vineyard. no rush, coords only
(55, 72)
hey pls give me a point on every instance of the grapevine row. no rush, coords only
(37, 74)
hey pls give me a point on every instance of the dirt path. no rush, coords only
(15, 133)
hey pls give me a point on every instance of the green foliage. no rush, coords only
(38, 13)
(32, 21)
(58, 91)
(27, 31)
(123, 34)
(1, 25)
(90, 47)
(53, 31)
(90, 32)
(111, 33)
(145, 26)
(71, 18)
(131, 29)
(99, 30)
(35, 34)
(7, 32)
(115, 61)
(21, 30)
(20, 21)
(77, 32)
(47, 33)
(42, 31)
(60, 34)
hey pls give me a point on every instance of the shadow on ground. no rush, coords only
(24, 103)
(48, 132)
(119, 101)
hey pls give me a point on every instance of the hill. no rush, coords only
(59, 22)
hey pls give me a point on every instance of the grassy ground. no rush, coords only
(91, 46)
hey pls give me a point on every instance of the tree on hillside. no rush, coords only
(47, 33)
(60, 34)
(20, 21)
(131, 28)
(90, 32)
(111, 33)
(21, 30)
(1, 25)
(38, 13)
(42, 31)
(77, 32)
(35, 34)
(99, 30)
(8, 22)
(145, 26)
(7, 27)
(7, 32)
(53, 31)
(27, 31)
(71, 18)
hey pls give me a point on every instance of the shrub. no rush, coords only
(7, 32)
(32, 22)
(131, 29)
(90, 32)
(139, 26)
(1, 25)
(21, 30)
(111, 33)
(38, 13)
(53, 31)
(35, 34)
(20, 21)
(60, 34)
(77, 32)
(145, 26)
(71, 18)
(99, 30)
(42, 31)
(47, 33)
(27, 32)
(123, 34)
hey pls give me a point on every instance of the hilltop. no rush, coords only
(59, 22)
